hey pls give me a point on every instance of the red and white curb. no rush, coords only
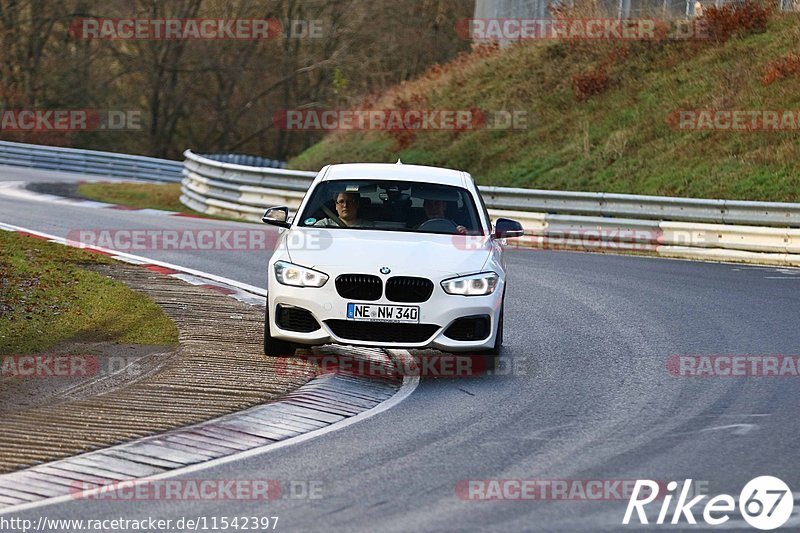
(244, 292)
(327, 403)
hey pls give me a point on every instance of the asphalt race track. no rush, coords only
(588, 397)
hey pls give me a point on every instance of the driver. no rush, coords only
(436, 209)
(347, 206)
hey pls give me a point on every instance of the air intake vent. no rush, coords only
(295, 319)
(469, 328)
(382, 331)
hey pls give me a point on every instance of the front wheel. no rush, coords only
(272, 346)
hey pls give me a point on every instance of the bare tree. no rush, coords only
(217, 95)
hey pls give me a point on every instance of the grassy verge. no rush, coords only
(47, 298)
(164, 196)
(621, 138)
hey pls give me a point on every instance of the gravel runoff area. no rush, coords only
(218, 368)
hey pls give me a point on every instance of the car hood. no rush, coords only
(369, 250)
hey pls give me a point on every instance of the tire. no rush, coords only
(275, 347)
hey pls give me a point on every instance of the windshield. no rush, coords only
(392, 206)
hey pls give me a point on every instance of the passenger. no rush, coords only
(436, 209)
(347, 206)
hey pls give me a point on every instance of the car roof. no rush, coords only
(391, 171)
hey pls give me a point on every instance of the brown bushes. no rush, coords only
(782, 68)
(727, 21)
(587, 84)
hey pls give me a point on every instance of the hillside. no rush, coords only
(601, 116)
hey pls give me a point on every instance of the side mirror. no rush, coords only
(505, 228)
(277, 216)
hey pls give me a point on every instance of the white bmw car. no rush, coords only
(390, 256)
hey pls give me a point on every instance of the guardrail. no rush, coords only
(644, 207)
(229, 176)
(760, 232)
(213, 186)
(89, 162)
(242, 186)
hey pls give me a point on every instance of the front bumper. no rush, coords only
(440, 310)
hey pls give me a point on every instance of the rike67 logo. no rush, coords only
(765, 503)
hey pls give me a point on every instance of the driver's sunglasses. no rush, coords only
(346, 202)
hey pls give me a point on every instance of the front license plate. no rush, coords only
(383, 313)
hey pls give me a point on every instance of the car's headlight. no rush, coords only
(474, 285)
(297, 276)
